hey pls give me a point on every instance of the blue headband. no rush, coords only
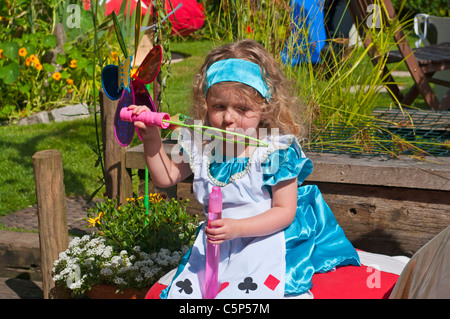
(236, 70)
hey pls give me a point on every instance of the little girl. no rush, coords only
(273, 235)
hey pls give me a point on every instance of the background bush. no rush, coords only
(438, 8)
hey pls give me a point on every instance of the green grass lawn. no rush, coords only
(19, 143)
(178, 96)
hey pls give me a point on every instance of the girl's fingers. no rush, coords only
(138, 109)
(215, 241)
(139, 124)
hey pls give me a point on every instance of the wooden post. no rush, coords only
(52, 215)
(117, 177)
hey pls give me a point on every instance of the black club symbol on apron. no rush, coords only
(185, 285)
(247, 285)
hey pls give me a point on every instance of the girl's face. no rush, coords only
(228, 111)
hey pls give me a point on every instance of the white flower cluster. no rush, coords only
(88, 260)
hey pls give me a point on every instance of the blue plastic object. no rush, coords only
(308, 33)
(110, 81)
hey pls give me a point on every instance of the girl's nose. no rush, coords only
(230, 115)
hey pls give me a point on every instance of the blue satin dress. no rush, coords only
(314, 242)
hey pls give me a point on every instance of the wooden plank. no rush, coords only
(387, 220)
(135, 158)
(433, 173)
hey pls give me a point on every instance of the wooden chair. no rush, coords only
(422, 63)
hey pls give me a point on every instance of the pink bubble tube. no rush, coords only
(212, 250)
(149, 118)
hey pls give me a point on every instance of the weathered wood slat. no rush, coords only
(388, 220)
(433, 173)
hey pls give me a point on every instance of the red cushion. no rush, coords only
(352, 282)
(155, 291)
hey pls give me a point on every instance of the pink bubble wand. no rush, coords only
(163, 121)
(213, 250)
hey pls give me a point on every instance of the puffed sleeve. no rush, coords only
(285, 164)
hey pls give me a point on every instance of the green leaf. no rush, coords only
(67, 47)
(49, 67)
(25, 88)
(82, 63)
(31, 48)
(50, 41)
(89, 69)
(60, 59)
(10, 73)
(10, 50)
(7, 109)
(65, 74)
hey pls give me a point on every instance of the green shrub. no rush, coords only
(438, 8)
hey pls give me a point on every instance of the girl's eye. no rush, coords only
(243, 109)
(218, 107)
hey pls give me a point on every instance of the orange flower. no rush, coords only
(38, 66)
(32, 58)
(70, 81)
(73, 64)
(56, 76)
(114, 55)
(28, 61)
(1, 54)
(23, 52)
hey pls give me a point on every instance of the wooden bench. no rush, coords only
(386, 206)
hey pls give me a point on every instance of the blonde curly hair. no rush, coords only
(276, 112)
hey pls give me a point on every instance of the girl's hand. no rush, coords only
(221, 230)
(146, 132)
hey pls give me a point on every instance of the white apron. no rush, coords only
(251, 267)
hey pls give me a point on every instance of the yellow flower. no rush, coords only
(1, 53)
(38, 66)
(23, 52)
(70, 81)
(32, 58)
(114, 55)
(28, 61)
(56, 76)
(91, 222)
(155, 198)
(73, 63)
(133, 71)
(94, 221)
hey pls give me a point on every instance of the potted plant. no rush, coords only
(131, 247)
